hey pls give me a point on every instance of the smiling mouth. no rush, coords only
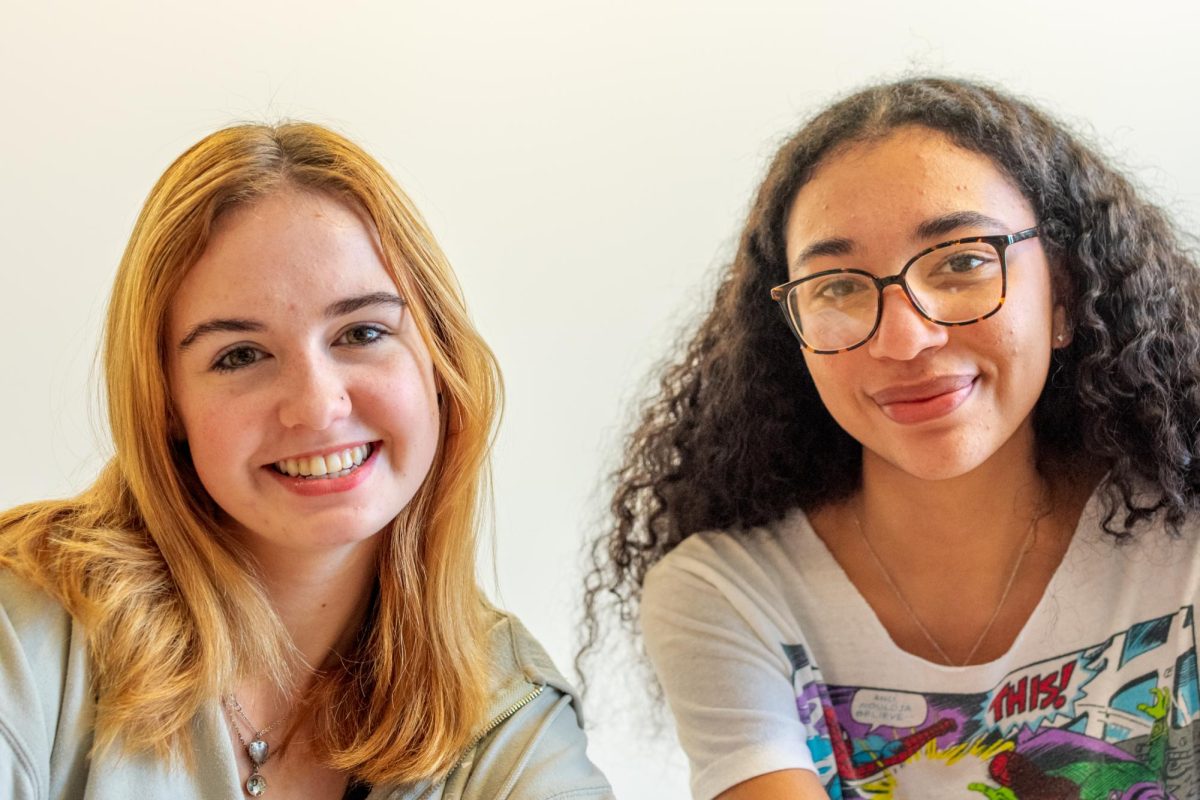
(924, 391)
(925, 401)
(324, 467)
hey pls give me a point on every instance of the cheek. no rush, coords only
(211, 448)
(220, 439)
(1033, 360)
(404, 406)
(1021, 346)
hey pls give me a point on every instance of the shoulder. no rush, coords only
(748, 549)
(715, 611)
(533, 746)
(35, 622)
(45, 700)
(518, 659)
(751, 564)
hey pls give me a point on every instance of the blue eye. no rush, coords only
(363, 335)
(238, 358)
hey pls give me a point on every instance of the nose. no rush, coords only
(314, 395)
(903, 332)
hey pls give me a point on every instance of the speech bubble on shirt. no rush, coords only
(888, 709)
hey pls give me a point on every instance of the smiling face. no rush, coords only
(305, 391)
(934, 402)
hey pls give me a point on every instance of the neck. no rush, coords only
(997, 502)
(321, 596)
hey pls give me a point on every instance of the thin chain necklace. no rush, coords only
(941, 651)
(257, 748)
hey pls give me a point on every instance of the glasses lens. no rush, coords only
(833, 312)
(959, 283)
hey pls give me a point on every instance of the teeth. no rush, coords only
(332, 465)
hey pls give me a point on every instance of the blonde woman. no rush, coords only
(270, 589)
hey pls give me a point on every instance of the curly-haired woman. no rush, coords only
(930, 532)
(270, 589)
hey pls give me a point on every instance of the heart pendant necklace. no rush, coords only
(257, 748)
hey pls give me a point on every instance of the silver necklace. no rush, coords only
(1012, 577)
(257, 748)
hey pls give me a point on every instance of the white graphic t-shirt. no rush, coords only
(770, 659)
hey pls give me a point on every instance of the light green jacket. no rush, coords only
(532, 748)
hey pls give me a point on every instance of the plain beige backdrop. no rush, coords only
(586, 165)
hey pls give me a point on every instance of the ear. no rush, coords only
(1060, 328)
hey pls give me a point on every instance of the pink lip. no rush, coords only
(315, 487)
(919, 402)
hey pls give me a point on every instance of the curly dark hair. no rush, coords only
(737, 435)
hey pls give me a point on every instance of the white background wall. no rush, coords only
(586, 165)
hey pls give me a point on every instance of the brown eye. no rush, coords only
(964, 262)
(363, 335)
(840, 289)
(238, 358)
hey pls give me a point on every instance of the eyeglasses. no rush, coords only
(952, 283)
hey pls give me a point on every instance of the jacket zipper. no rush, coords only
(491, 726)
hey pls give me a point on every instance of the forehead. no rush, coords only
(882, 189)
(292, 251)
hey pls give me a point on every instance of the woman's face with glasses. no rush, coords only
(932, 400)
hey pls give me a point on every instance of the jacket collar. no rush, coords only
(518, 665)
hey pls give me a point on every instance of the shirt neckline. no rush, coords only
(833, 579)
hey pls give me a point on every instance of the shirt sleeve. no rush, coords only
(717, 640)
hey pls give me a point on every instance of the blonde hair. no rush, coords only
(173, 615)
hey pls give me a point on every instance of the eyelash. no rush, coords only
(222, 365)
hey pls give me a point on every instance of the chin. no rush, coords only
(351, 531)
(932, 466)
(939, 473)
(322, 533)
(316, 541)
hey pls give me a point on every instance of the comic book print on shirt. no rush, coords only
(1116, 721)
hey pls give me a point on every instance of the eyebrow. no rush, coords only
(352, 304)
(833, 246)
(948, 223)
(219, 326)
(336, 309)
(930, 228)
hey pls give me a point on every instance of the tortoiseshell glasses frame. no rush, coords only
(782, 293)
